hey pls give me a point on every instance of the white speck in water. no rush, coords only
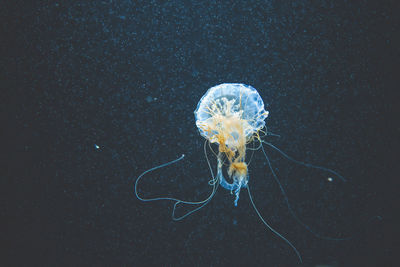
(96, 146)
(330, 179)
(150, 99)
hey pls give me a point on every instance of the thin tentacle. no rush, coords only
(287, 199)
(202, 203)
(272, 229)
(304, 163)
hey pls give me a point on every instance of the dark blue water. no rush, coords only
(93, 94)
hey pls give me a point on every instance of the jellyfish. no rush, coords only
(232, 115)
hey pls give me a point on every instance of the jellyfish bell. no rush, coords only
(230, 115)
(237, 101)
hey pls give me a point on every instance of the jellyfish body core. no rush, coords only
(230, 115)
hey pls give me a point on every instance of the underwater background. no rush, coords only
(93, 93)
